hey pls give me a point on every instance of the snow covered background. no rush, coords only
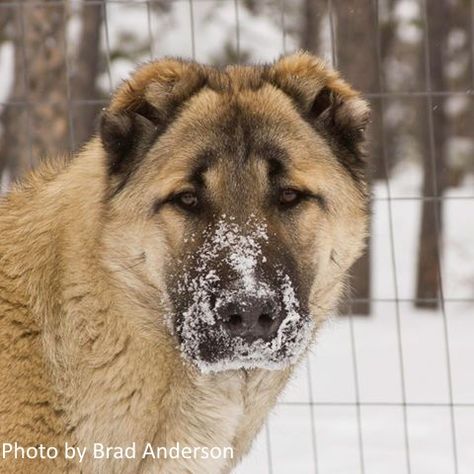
(375, 390)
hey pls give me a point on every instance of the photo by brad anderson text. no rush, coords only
(101, 451)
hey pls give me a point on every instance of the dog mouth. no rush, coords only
(214, 340)
(211, 349)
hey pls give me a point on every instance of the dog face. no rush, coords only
(236, 203)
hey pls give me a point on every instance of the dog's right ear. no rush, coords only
(141, 110)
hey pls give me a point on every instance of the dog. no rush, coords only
(158, 289)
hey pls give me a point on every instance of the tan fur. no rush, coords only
(85, 353)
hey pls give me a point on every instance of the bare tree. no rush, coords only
(434, 161)
(40, 127)
(9, 27)
(86, 70)
(461, 59)
(312, 10)
(383, 141)
(356, 37)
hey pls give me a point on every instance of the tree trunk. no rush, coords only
(312, 13)
(13, 137)
(35, 124)
(356, 56)
(383, 142)
(86, 71)
(461, 125)
(434, 164)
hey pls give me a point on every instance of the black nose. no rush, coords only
(251, 319)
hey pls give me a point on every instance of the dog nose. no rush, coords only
(252, 319)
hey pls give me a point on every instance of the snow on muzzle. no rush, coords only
(239, 320)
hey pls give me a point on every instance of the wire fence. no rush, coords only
(392, 393)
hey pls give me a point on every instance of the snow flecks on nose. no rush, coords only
(241, 250)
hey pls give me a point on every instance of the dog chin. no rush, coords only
(241, 362)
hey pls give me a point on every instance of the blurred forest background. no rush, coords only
(413, 59)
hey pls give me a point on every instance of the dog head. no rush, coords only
(236, 203)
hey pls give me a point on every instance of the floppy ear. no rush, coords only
(141, 110)
(328, 103)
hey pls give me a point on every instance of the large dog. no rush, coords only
(158, 289)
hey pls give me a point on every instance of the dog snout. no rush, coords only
(251, 319)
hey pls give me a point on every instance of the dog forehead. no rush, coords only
(236, 126)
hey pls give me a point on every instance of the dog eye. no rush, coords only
(187, 200)
(289, 197)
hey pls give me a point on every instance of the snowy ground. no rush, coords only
(358, 359)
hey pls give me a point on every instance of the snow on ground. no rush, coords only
(358, 359)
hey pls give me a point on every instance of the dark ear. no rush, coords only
(328, 103)
(141, 110)
(125, 137)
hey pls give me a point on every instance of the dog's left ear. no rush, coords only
(141, 110)
(327, 102)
